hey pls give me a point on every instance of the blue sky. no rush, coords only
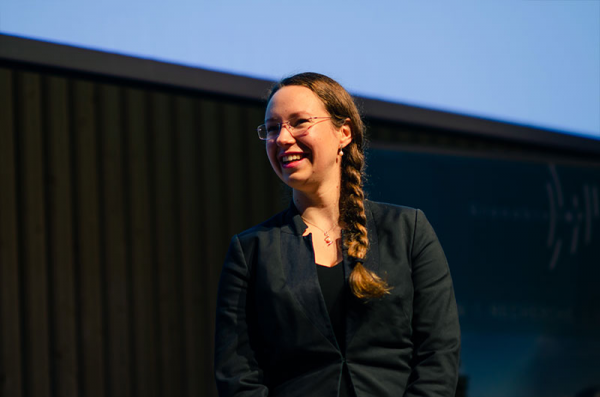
(531, 62)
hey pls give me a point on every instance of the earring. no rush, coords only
(341, 152)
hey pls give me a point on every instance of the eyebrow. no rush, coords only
(293, 115)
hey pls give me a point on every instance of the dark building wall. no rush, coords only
(117, 203)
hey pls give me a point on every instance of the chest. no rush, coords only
(288, 301)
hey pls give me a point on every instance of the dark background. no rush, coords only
(119, 194)
(522, 239)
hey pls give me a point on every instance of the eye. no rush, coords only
(300, 122)
(272, 128)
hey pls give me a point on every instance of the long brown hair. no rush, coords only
(363, 282)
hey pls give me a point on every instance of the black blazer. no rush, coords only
(273, 333)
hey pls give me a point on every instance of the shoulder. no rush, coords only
(406, 222)
(264, 229)
(244, 246)
(379, 209)
(393, 214)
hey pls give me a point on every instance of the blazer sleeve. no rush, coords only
(436, 331)
(237, 372)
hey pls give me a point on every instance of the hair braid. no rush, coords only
(363, 282)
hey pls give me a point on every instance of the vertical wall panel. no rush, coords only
(192, 264)
(166, 236)
(234, 163)
(140, 240)
(60, 238)
(33, 244)
(256, 162)
(118, 336)
(90, 280)
(214, 234)
(10, 319)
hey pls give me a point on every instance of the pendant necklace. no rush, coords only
(327, 238)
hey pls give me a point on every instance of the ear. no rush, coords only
(345, 133)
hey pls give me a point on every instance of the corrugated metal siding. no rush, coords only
(117, 204)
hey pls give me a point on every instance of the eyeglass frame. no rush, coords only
(290, 128)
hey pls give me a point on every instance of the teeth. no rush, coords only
(291, 157)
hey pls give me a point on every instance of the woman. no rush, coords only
(336, 295)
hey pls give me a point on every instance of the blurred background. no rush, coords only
(129, 157)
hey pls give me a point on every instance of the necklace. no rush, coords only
(327, 238)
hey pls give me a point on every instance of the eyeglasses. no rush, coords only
(296, 127)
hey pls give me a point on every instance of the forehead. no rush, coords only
(292, 100)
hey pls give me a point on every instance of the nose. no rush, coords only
(285, 137)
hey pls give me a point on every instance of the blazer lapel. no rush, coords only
(356, 306)
(301, 273)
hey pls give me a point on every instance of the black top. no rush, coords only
(331, 280)
(334, 292)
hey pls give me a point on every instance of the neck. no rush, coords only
(320, 208)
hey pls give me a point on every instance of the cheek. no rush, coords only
(271, 149)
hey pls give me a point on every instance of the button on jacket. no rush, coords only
(273, 333)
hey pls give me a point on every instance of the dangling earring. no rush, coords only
(341, 152)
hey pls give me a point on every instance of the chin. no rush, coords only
(294, 181)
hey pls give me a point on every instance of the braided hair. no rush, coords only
(364, 283)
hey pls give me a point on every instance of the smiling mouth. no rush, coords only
(291, 158)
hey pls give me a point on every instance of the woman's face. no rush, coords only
(310, 161)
